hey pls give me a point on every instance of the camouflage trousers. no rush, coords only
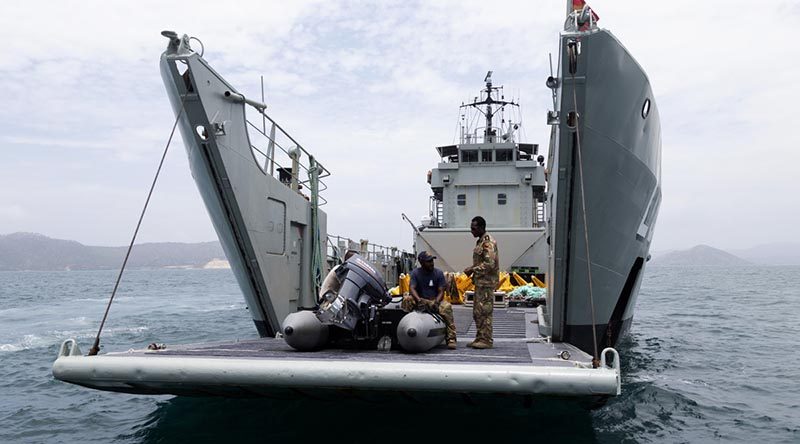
(444, 309)
(482, 310)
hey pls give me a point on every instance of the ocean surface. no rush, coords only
(712, 357)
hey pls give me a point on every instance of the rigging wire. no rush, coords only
(96, 346)
(458, 124)
(596, 359)
(474, 123)
(519, 116)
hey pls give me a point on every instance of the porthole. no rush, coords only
(646, 108)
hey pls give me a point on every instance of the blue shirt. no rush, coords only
(427, 284)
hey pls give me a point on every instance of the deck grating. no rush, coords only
(510, 346)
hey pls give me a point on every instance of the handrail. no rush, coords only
(299, 146)
(324, 171)
(315, 171)
(390, 252)
(304, 182)
(321, 172)
(477, 135)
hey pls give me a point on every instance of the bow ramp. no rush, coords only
(522, 364)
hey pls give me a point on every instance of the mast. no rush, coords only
(488, 131)
(489, 111)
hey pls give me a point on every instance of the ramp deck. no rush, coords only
(521, 362)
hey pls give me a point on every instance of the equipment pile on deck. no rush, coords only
(524, 293)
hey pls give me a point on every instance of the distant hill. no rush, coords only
(31, 251)
(700, 255)
(778, 253)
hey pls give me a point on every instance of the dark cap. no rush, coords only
(423, 256)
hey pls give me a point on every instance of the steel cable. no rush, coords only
(96, 346)
(574, 57)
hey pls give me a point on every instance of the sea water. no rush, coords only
(712, 356)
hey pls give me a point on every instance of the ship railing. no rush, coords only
(478, 135)
(338, 245)
(290, 152)
(391, 261)
(279, 155)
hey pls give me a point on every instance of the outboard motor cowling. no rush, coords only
(363, 291)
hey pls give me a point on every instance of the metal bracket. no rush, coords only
(553, 118)
(614, 366)
(69, 348)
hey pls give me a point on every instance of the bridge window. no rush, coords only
(505, 155)
(461, 199)
(486, 156)
(469, 156)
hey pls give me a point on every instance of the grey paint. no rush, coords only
(262, 224)
(622, 171)
(522, 363)
(517, 247)
(502, 191)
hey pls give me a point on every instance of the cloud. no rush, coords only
(371, 88)
(12, 211)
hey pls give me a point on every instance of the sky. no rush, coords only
(371, 88)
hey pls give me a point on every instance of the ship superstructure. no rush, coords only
(489, 173)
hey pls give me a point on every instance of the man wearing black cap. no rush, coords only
(427, 291)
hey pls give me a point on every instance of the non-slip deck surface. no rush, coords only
(510, 346)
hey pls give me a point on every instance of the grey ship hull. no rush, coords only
(263, 225)
(620, 145)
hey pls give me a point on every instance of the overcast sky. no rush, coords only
(371, 90)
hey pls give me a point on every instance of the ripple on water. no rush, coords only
(701, 364)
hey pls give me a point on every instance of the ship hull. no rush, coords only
(263, 226)
(609, 128)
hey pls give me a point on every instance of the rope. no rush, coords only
(96, 346)
(596, 360)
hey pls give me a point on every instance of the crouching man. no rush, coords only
(427, 291)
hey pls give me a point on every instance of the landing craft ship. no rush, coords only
(584, 220)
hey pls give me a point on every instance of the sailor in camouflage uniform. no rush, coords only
(484, 273)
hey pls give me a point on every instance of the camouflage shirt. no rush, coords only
(485, 261)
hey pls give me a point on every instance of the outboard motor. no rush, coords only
(358, 314)
(363, 291)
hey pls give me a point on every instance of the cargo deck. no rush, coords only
(521, 363)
